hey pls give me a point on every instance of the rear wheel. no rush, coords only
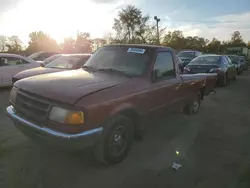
(234, 78)
(193, 107)
(238, 71)
(223, 81)
(116, 141)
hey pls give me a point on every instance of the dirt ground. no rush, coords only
(214, 148)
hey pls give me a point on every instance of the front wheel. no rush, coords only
(115, 142)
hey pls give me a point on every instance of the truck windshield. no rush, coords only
(186, 54)
(130, 61)
(205, 60)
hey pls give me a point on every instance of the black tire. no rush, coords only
(193, 107)
(238, 72)
(223, 82)
(118, 132)
(234, 78)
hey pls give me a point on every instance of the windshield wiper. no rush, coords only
(89, 68)
(116, 71)
(55, 67)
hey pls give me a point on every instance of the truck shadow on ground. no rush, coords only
(30, 165)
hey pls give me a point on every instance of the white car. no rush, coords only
(11, 64)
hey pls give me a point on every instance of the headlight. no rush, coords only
(65, 116)
(13, 94)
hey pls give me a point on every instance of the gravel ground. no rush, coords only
(213, 145)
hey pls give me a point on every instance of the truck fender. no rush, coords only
(130, 112)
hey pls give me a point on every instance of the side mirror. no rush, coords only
(42, 64)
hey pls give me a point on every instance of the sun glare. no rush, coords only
(59, 18)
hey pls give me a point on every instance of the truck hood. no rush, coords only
(69, 86)
(35, 71)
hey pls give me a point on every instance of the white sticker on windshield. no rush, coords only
(136, 50)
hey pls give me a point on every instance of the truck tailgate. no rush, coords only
(209, 80)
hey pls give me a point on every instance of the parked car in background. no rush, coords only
(102, 104)
(180, 63)
(236, 61)
(41, 56)
(11, 64)
(243, 62)
(187, 55)
(49, 59)
(64, 62)
(213, 64)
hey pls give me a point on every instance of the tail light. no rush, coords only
(186, 69)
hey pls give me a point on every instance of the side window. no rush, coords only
(10, 61)
(164, 66)
(24, 61)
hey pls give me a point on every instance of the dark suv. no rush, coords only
(188, 55)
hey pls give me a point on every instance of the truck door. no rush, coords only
(163, 92)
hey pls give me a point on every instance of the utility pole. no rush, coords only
(157, 27)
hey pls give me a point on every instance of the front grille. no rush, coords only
(32, 107)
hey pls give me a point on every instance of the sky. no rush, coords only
(63, 18)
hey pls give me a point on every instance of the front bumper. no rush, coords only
(54, 138)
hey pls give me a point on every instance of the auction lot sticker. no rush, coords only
(136, 50)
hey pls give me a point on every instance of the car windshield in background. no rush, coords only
(130, 61)
(186, 54)
(234, 58)
(52, 58)
(205, 60)
(35, 56)
(64, 62)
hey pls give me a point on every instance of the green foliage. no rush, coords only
(68, 46)
(130, 26)
(83, 43)
(40, 41)
(236, 39)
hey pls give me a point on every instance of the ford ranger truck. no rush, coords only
(100, 105)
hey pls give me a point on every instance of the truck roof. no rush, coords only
(141, 45)
(189, 51)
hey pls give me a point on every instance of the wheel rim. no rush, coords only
(196, 105)
(118, 141)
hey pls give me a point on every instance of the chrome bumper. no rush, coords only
(47, 135)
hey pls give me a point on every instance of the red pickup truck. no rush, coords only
(101, 105)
